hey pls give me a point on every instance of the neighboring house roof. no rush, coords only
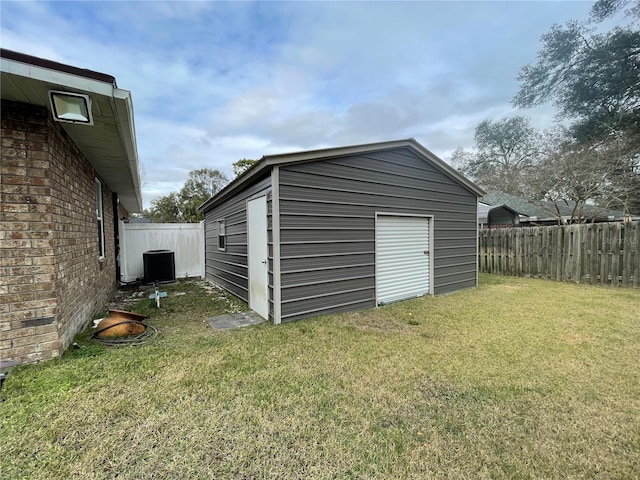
(267, 162)
(545, 211)
(485, 210)
(521, 205)
(110, 143)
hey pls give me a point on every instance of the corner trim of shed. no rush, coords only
(275, 227)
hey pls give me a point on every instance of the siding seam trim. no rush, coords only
(454, 264)
(310, 242)
(231, 263)
(318, 255)
(236, 254)
(333, 280)
(453, 273)
(275, 238)
(342, 190)
(230, 273)
(338, 267)
(374, 205)
(446, 284)
(232, 283)
(431, 170)
(328, 228)
(373, 182)
(325, 308)
(312, 297)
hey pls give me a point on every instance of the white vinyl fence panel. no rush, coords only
(186, 240)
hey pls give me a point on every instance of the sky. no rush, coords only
(214, 82)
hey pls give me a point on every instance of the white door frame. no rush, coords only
(431, 245)
(258, 256)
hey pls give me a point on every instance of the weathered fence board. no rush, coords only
(600, 253)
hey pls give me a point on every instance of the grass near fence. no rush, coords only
(520, 378)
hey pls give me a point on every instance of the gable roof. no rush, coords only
(485, 210)
(110, 144)
(267, 162)
(519, 204)
(545, 210)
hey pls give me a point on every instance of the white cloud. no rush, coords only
(216, 82)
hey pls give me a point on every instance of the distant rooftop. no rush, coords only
(543, 209)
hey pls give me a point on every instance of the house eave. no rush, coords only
(110, 144)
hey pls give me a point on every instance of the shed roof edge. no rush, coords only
(269, 161)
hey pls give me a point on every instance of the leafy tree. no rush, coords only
(182, 206)
(242, 166)
(200, 186)
(504, 153)
(164, 209)
(593, 79)
(204, 182)
(604, 9)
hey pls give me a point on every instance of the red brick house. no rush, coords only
(68, 172)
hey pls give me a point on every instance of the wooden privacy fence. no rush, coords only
(599, 253)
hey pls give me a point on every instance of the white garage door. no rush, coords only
(402, 257)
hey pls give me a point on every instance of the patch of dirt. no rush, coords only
(576, 338)
(218, 293)
(508, 288)
(371, 321)
(129, 295)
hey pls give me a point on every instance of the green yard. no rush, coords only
(519, 378)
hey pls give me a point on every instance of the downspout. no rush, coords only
(116, 234)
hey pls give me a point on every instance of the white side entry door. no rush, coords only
(258, 253)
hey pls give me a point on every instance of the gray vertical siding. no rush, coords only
(229, 269)
(327, 227)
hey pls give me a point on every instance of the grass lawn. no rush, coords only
(519, 378)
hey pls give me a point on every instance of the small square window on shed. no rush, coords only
(222, 236)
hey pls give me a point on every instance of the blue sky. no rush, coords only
(213, 82)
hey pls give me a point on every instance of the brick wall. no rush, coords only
(52, 282)
(84, 283)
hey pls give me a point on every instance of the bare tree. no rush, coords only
(577, 182)
(505, 152)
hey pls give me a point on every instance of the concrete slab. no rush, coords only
(235, 320)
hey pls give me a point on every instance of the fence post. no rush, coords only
(201, 247)
(122, 254)
(636, 252)
(615, 254)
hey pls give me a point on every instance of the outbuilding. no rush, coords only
(342, 229)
